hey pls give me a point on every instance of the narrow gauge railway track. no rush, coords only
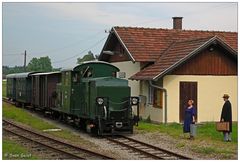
(66, 150)
(146, 150)
(4, 99)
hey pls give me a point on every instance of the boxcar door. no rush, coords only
(188, 90)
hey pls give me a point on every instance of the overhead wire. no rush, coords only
(92, 46)
(69, 45)
(12, 54)
(56, 49)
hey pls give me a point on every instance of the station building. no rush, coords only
(166, 67)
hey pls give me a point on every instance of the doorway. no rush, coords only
(187, 90)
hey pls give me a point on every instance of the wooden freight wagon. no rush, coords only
(44, 89)
(23, 88)
(11, 87)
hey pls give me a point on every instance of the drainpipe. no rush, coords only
(165, 98)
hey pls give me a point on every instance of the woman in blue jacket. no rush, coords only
(189, 117)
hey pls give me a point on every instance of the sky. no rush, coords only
(66, 31)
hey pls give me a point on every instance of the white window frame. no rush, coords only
(150, 95)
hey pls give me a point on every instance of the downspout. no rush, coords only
(165, 98)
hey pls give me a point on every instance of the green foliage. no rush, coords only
(88, 57)
(42, 64)
(12, 150)
(10, 70)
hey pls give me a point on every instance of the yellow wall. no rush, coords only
(210, 92)
(130, 69)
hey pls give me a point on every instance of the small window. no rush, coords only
(158, 98)
(150, 95)
(155, 97)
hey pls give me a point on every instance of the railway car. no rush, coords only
(91, 94)
(44, 86)
(11, 87)
(19, 87)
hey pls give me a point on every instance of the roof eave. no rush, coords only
(105, 44)
(113, 30)
(193, 53)
(124, 46)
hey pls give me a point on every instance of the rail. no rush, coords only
(72, 151)
(149, 151)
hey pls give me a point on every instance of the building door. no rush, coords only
(188, 90)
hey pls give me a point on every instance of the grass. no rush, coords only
(22, 116)
(208, 141)
(14, 151)
(172, 129)
(204, 131)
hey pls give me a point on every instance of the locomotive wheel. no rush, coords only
(82, 124)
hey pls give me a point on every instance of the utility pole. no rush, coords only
(25, 55)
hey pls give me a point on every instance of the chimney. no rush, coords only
(177, 23)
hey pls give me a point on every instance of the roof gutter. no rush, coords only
(118, 37)
(165, 98)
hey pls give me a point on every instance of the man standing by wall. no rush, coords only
(226, 116)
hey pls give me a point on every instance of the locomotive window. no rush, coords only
(88, 72)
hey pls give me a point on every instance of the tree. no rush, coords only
(88, 57)
(9, 70)
(42, 64)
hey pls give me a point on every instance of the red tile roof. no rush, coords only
(175, 54)
(147, 45)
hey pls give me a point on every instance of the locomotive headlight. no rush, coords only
(134, 100)
(100, 101)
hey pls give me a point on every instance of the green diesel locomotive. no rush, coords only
(91, 94)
